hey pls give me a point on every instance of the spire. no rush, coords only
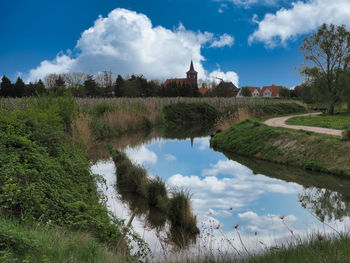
(191, 68)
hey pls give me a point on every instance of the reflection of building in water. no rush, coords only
(192, 139)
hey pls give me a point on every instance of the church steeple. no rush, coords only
(192, 74)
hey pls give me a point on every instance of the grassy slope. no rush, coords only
(297, 148)
(339, 121)
(41, 243)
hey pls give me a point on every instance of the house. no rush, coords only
(254, 91)
(270, 91)
(191, 78)
(226, 89)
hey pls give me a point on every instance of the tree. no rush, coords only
(6, 87)
(19, 88)
(245, 92)
(92, 89)
(284, 92)
(328, 50)
(118, 84)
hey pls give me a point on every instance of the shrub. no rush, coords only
(100, 109)
(190, 113)
(346, 134)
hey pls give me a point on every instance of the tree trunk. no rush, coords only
(331, 109)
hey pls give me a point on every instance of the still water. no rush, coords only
(241, 205)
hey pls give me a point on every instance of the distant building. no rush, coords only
(226, 89)
(254, 91)
(191, 78)
(270, 91)
(266, 91)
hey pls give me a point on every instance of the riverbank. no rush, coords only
(304, 149)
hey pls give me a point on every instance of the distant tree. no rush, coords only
(105, 82)
(303, 91)
(59, 83)
(284, 92)
(19, 87)
(91, 87)
(6, 87)
(118, 84)
(245, 92)
(50, 81)
(328, 50)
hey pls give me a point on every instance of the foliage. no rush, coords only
(277, 109)
(99, 109)
(44, 176)
(48, 243)
(284, 92)
(180, 114)
(245, 92)
(329, 51)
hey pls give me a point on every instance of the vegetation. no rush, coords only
(44, 178)
(329, 51)
(276, 109)
(338, 121)
(185, 114)
(291, 147)
(245, 92)
(40, 242)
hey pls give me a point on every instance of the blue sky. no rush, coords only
(251, 42)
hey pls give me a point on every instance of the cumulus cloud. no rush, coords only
(141, 155)
(301, 18)
(126, 42)
(226, 76)
(224, 40)
(248, 3)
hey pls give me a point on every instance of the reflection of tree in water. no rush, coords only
(327, 205)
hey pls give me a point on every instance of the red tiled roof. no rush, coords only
(274, 90)
(204, 90)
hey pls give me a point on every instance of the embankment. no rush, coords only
(290, 147)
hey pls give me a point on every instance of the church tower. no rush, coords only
(192, 74)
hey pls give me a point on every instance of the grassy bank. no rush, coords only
(291, 147)
(339, 121)
(41, 242)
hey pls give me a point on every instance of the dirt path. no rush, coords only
(281, 122)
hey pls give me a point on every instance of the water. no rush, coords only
(268, 204)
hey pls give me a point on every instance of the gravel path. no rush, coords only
(281, 122)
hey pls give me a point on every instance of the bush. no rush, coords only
(182, 114)
(44, 176)
(101, 108)
(346, 134)
(278, 108)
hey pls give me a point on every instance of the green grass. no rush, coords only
(49, 243)
(291, 147)
(338, 121)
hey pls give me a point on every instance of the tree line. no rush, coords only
(103, 85)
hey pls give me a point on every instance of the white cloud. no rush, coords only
(224, 40)
(141, 155)
(170, 158)
(228, 76)
(126, 42)
(203, 143)
(248, 3)
(301, 18)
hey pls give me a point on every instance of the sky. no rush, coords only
(248, 42)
